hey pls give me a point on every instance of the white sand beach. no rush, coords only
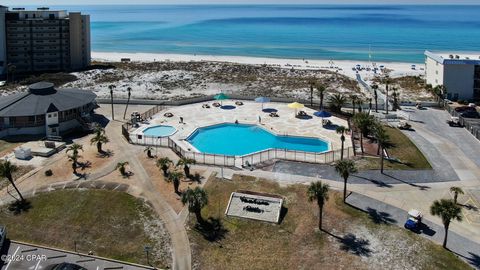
(344, 67)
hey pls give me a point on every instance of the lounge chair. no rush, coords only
(239, 103)
(216, 104)
(168, 114)
(206, 106)
(248, 166)
(273, 114)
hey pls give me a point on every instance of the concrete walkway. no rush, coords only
(461, 246)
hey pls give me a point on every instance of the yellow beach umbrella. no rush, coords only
(296, 105)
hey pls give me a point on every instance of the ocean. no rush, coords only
(390, 33)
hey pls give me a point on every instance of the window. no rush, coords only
(51, 16)
(26, 16)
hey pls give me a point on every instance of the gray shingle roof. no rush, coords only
(37, 102)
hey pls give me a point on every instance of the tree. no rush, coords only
(186, 162)
(386, 80)
(99, 138)
(456, 191)
(321, 94)
(319, 192)
(6, 171)
(383, 142)
(342, 130)
(121, 166)
(364, 122)
(129, 90)
(344, 168)
(375, 96)
(312, 84)
(111, 87)
(164, 164)
(148, 150)
(447, 210)
(74, 148)
(369, 105)
(396, 105)
(74, 159)
(354, 99)
(174, 177)
(196, 199)
(337, 101)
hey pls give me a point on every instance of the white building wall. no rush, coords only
(434, 72)
(458, 79)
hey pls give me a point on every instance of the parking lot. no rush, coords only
(19, 256)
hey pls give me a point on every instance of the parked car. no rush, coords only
(470, 114)
(465, 109)
(3, 235)
(65, 266)
(414, 220)
(454, 122)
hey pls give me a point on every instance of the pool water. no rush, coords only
(240, 139)
(159, 131)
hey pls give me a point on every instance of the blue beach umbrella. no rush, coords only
(262, 100)
(221, 97)
(322, 114)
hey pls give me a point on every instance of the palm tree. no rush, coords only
(354, 99)
(129, 90)
(196, 199)
(75, 149)
(100, 139)
(148, 150)
(164, 164)
(344, 168)
(447, 210)
(321, 93)
(360, 104)
(74, 159)
(174, 177)
(111, 87)
(383, 142)
(121, 166)
(186, 162)
(6, 171)
(386, 80)
(375, 96)
(456, 191)
(337, 101)
(342, 130)
(364, 122)
(311, 83)
(395, 95)
(319, 192)
(369, 105)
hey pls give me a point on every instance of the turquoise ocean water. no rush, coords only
(340, 32)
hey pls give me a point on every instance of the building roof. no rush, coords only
(41, 98)
(454, 58)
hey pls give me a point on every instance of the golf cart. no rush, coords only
(414, 220)
(454, 122)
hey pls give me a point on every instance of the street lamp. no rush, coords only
(147, 249)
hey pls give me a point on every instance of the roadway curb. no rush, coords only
(84, 255)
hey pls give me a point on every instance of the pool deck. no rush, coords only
(194, 116)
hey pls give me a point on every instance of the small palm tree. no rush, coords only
(447, 210)
(319, 192)
(174, 177)
(75, 148)
(383, 142)
(129, 92)
(337, 101)
(354, 99)
(148, 150)
(6, 171)
(321, 93)
(111, 87)
(186, 162)
(456, 191)
(395, 95)
(311, 84)
(364, 122)
(342, 130)
(164, 164)
(74, 160)
(121, 166)
(375, 96)
(344, 168)
(99, 138)
(196, 199)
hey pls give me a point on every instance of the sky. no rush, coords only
(126, 2)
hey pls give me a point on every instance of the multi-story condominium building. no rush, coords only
(458, 73)
(43, 40)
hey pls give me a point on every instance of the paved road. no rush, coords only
(463, 247)
(23, 256)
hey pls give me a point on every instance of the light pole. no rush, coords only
(147, 249)
(129, 89)
(386, 93)
(111, 87)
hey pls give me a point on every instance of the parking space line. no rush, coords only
(12, 258)
(29, 250)
(38, 264)
(57, 256)
(86, 260)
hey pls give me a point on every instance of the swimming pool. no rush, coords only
(241, 139)
(159, 131)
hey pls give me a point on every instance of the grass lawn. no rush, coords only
(111, 224)
(354, 239)
(22, 170)
(6, 146)
(403, 149)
